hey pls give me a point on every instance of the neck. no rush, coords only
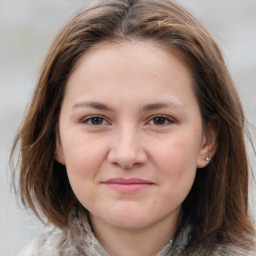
(137, 242)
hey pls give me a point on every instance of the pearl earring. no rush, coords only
(208, 158)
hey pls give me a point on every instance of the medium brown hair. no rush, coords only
(218, 200)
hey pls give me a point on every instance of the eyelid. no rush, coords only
(86, 120)
(168, 118)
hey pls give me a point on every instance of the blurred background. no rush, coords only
(27, 29)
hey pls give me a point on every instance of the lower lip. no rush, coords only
(128, 188)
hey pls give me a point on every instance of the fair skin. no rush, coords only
(131, 138)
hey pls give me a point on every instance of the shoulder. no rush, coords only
(44, 244)
(222, 250)
(28, 250)
(232, 250)
(225, 250)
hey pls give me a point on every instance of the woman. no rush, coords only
(135, 137)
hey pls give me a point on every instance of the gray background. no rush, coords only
(27, 28)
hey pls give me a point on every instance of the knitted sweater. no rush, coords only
(79, 240)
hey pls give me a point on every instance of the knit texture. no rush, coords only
(78, 240)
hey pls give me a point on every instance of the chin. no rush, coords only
(131, 220)
(131, 223)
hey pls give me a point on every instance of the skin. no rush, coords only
(129, 111)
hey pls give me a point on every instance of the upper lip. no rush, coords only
(127, 181)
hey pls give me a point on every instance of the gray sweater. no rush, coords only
(79, 240)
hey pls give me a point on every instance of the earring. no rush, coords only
(59, 155)
(208, 158)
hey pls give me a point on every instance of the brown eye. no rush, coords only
(161, 120)
(95, 120)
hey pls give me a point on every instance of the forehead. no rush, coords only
(128, 48)
(130, 72)
(145, 54)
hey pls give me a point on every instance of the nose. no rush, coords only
(127, 149)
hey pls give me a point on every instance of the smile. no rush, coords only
(127, 185)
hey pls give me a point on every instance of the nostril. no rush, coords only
(124, 165)
(127, 161)
(127, 150)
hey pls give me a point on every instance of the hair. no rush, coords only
(218, 200)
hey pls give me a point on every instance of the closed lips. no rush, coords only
(127, 181)
(128, 185)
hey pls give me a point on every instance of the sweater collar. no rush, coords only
(86, 243)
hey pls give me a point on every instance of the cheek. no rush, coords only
(83, 163)
(176, 160)
(83, 156)
(177, 169)
(177, 152)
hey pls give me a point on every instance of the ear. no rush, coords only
(58, 154)
(209, 143)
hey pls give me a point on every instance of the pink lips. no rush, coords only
(127, 185)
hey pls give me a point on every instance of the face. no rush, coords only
(131, 134)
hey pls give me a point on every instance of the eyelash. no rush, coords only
(89, 120)
(165, 119)
(162, 118)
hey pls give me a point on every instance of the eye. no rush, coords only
(95, 120)
(160, 120)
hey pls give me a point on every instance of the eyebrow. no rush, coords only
(145, 108)
(92, 104)
(156, 106)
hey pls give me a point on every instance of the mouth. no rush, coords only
(123, 185)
